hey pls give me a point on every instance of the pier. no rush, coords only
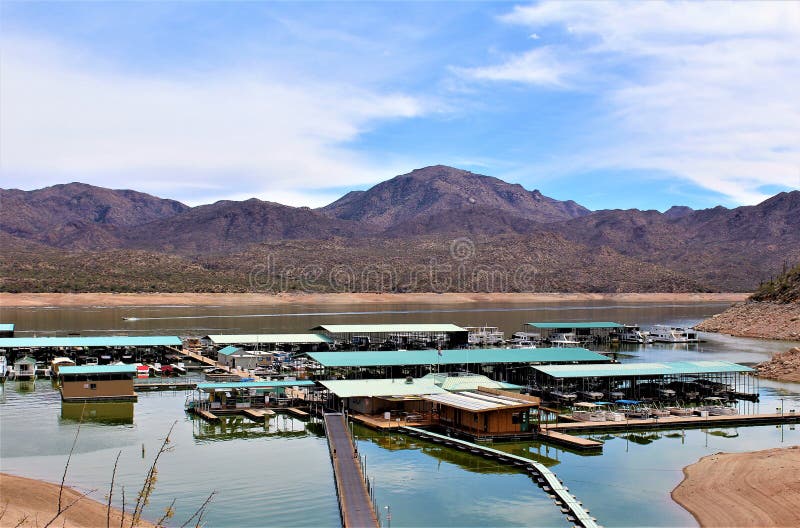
(354, 501)
(672, 422)
(542, 475)
(573, 442)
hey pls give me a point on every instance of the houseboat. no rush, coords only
(484, 336)
(25, 369)
(667, 334)
(564, 339)
(633, 334)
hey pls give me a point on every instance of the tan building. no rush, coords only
(97, 383)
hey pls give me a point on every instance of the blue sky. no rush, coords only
(614, 105)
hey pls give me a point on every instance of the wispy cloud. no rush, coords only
(68, 116)
(705, 90)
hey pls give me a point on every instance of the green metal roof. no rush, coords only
(641, 369)
(562, 326)
(6, 327)
(253, 339)
(465, 382)
(96, 369)
(455, 357)
(381, 387)
(253, 385)
(388, 328)
(104, 341)
(228, 350)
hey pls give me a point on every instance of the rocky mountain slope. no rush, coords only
(406, 222)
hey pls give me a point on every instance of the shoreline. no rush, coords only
(68, 300)
(759, 488)
(763, 320)
(36, 500)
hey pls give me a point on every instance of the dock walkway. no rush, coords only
(574, 442)
(547, 479)
(354, 501)
(672, 422)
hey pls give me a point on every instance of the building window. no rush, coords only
(93, 386)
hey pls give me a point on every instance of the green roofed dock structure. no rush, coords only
(106, 349)
(271, 341)
(667, 381)
(575, 333)
(253, 399)
(6, 329)
(509, 365)
(395, 336)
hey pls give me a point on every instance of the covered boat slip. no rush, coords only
(115, 348)
(233, 397)
(282, 342)
(510, 365)
(591, 331)
(394, 336)
(667, 381)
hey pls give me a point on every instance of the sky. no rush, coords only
(612, 104)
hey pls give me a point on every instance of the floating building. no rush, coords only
(93, 383)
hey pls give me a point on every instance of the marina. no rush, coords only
(456, 373)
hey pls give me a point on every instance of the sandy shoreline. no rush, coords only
(27, 502)
(41, 300)
(760, 488)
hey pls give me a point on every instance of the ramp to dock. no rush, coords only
(354, 502)
(549, 481)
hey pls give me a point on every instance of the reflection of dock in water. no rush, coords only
(114, 413)
(239, 426)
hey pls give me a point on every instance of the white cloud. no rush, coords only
(68, 116)
(537, 66)
(707, 90)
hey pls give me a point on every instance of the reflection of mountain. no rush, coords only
(109, 413)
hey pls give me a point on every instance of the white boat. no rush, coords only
(591, 395)
(524, 340)
(634, 334)
(4, 372)
(484, 335)
(564, 339)
(668, 334)
(564, 396)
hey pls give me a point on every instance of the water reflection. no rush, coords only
(109, 413)
(240, 427)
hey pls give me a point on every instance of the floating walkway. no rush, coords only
(574, 442)
(549, 482)
(673, 422)
(355, 504)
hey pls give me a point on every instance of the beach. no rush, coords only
(27, 502)
(759, 488)
(41, 300)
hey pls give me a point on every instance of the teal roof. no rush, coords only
(104, 341)
(369, 388)
(96, 369)
(563, 326)
(228, 350)
(641, 369)
(253, 384)
(388, 328)
(254, 339)
(455, 357)
(6, 327)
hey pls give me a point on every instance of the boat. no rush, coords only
(591, 395)
(42, 371)
(679, 411)
(633, 334)
(484, 335)
(564, 339)
(668, 334)
(4, 372)
(563, 396)
(25, 369)
(59, 362)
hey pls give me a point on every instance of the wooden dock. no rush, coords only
(300, 413)
(673, 422)
(207, 415)
(545, 478)
(164, 386)
(574, 442)
(354, 501)
(258, 415)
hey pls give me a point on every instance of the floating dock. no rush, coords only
(545, 478)
(164, 386)
(355, 504)
(574, 442)
(258, 415)
(300, 413)
(673, 422)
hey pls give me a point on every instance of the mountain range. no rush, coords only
(138, 242)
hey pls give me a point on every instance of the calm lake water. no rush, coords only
(279, 474)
